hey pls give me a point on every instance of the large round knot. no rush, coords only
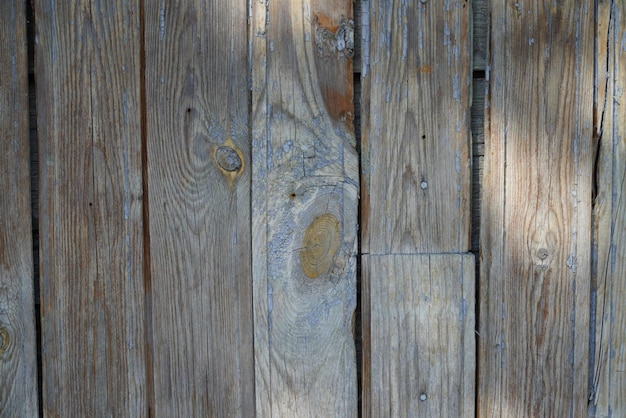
(319, 245)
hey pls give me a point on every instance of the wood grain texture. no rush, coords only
(88, 105)
(415, 144)
(198, 172)
(18, 362)
(305, 172)
(608, 389)
(535, 240)
(422, 335)
(415, 167)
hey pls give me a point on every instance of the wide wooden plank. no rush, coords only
(18, 362)
(422, 335)
(88, 106)
(608, 390)
(535, 240)
(198, 178)
(305, 180)
(415, 145)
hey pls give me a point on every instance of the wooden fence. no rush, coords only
(313, 208)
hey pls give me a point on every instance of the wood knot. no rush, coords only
(5, 340)
(332, 40)
(319, 245)
(228, 159)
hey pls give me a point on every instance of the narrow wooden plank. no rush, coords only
(535, 241)
(18, 361)
(88, 105)
(305, 180)
(422, 335)
(415, 167)
(480, 34)
(198, 168)
(608, 391)
(415, 144)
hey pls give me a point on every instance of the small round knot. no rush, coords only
(227, 158)
(542, 253)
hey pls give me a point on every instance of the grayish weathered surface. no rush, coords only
(535, 240)
(198, 178)
(608, 391)
(18, 363)
(422, 335)
(305, 171)
(92, 295)
(415, 203)
(415, 145)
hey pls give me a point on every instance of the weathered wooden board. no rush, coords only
(198, 175)
(305, 180)
(415, 167)
(608, 390)
(18, 362)
(88, 105)
(415, 144)
(535, 240)
(422, 335)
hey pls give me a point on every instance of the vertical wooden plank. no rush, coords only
(422, 325)
(608, 391)
(535, 243)
(305, 177)
(415, 167)
(18, 362)
(88, 105)
(415, 161)
(198, 168)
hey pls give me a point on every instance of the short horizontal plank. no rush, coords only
(421, 335)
